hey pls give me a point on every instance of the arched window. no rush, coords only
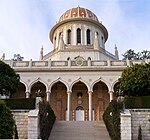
(69, 37)
(78, 35)
(55, 42)
(88, 37)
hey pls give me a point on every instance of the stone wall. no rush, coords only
(125, 125)
(21, 118)
(130, 122)
(33, 124)
(140, 117)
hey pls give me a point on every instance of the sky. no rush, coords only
(25, 24)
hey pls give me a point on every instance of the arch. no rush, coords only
(102, 80)
(100, 98)
(25, 84)
(38, 80)
(58, 98)
(113, 85)
(79, 108)
(38, 86)
(79, 36)
(79, 80)
(115, 88)
(88, 36)
(58, 80)
(20, 92)
(69, 36)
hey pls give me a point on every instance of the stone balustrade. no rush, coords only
(74, 63)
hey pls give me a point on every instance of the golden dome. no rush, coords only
(78, 12)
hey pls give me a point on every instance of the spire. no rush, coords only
(41, 54)
(116, 52)
(3, 57)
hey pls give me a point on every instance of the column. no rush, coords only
(69, 106)
(27, 94)
(65, 36)
(57, 40)
(74, 35)
(48, 96)
(90, 106)
(111, 95)
(85, 37)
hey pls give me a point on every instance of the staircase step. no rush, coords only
(79, 130)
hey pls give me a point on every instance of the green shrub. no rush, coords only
(137, 102)
(7, 123)
(47, 119)
(111, 118)
(22, 103)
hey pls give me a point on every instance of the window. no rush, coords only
(88, 37)
(78, 35)
(69, 36)
(97, 33)
(55, 42)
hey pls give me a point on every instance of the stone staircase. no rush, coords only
(79, 130)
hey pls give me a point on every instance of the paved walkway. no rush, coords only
(79, 130)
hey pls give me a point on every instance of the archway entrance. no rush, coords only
(100, 100)
(58, 100)
(20, 93)
(79, 102)
(38, 86)
(79, 113)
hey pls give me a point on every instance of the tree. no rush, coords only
(9, 80)
(18, 57)
(7, 123)
(135, 80)
(131, 55)
(145, 55)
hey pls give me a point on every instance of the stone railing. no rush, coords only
(73, 63)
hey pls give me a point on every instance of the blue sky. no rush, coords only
(25, 24)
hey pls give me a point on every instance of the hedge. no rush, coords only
(137, 102)
(47, 119)
(111, 119)
(22, 103)
(7, 123)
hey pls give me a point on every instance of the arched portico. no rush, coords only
(35, 87)
(20, 93)
(79, 97)
(115, 88)
(58, 100)
(100, 99)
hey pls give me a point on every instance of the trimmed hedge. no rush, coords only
(137, 102)
(7, 123)
(47, 119)
(111, 119)
(22, 103)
